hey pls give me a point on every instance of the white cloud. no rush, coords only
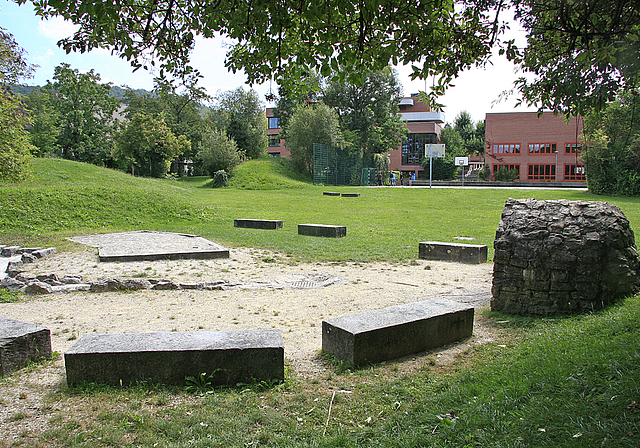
(43, 60)
(208, 57)
(56, 28)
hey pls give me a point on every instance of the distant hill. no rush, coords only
(116, 91)
(23, 90)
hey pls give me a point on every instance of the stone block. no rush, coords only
(42, 253)
(9, 251)
(27, 250)
(230, 357)
(350, 195)
(20, 343)
(267, 224)
(330, 193)
(322, 230)
(389, 333)
(461, 253)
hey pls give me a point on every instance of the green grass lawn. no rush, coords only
(542, 382)
(65, 198)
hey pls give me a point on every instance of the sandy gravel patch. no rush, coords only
(257, 304)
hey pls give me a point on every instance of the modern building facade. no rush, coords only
(276, 146)
(424, 127)
(538, 148)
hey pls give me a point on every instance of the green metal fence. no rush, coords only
(333, 166)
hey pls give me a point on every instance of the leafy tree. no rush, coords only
(464, 125)
(218, 152)
(180, 106)
(612, 148)
(45, 124)
(444, 168)
(309, 124)
(86, 114)
(451, 138)
(148, 146)
(242, 114)
(580, 53)
(284, 40)
(309, 91)
(15, 147)
(465, 137)
(369, 111)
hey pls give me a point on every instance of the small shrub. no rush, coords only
(505, 175)
(220, 179)
(219, 152)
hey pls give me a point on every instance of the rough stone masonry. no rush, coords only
(562, 257)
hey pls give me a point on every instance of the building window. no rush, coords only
(274, 154)
(274, 140)
(542, 148)
(575, 172)
(506, 148)
(495, 168)
(542, 172)
(413, 147)
(573, 148)
(274, 123)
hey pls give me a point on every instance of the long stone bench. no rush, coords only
(230, 357)
(389, 333)
(322, 230)
(267, 224)
(462, 253)
(330, 193)
(350, 195)
(20, 343)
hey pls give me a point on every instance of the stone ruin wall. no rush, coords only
(562, 257)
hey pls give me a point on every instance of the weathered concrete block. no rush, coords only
(389, 333)
(21, 342)
(322, 230)
(462, 253)
(350, 195)
(330, 193)
(230, 357)
(146, 245)
(267, 224)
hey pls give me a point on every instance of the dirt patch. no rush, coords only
(297, 312)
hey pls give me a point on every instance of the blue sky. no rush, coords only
(475, 90)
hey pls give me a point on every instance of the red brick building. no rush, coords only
(424, 127)
(544, 148)
(276, 146)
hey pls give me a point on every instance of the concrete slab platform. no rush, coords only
(322, 230)
(266, 224)
(20, 343)
(146, 245)
(459, 252)
(230, 357)
(389, 333)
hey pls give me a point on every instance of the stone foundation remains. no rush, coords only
(562, 257)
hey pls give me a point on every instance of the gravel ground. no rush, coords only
(271, 292)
